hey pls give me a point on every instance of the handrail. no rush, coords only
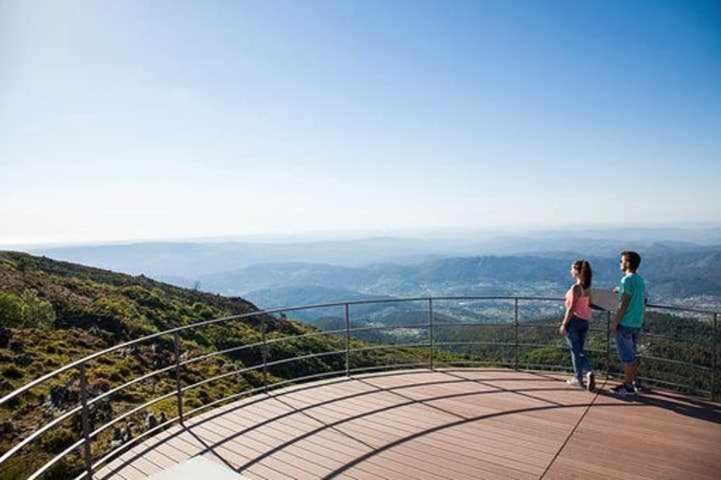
(204, 323)
(179, 364)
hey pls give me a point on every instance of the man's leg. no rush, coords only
(626, 353)
(635, 360)
(629, 373)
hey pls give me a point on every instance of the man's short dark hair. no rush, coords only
(633, 258)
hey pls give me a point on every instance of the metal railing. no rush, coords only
(345, 334)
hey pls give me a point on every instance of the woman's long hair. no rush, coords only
(584, 272)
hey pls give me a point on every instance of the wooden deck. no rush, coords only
(447, 424)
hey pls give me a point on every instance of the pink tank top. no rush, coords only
(583, 305)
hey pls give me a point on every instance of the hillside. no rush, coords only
(52, 313)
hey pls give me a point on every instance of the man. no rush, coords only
(629, 320)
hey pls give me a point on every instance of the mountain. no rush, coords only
(191, 260)
(306, 295)
(265, 275)
(672, 272)
(186, 261)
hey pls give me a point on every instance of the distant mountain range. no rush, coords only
(300, 273)
(669, 276)
(190, 260)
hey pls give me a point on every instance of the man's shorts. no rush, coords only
(626, 341)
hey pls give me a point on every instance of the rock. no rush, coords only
(128, 432)
(117, 439)
(150, 421)
(60, 396)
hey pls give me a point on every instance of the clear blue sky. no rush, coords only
(122, 120)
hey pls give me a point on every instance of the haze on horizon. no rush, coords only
(159, 120)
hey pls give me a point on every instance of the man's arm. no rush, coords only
(622, 306)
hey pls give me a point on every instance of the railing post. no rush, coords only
(714, 359)
(178, 383)
(264, 354)
(87, 456)
(347, 341)
(430, 333)
(515, 333)
(608, 344)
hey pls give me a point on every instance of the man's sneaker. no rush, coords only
(623, 391)
(590, 382)
(638, 387)
(574, 382)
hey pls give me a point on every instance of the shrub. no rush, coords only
(11, 310)
(39, 313)
(25, 311)
(114, 312)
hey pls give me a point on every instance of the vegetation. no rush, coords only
(25, 310)
(53, 313)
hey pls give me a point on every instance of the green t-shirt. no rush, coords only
(632, 285)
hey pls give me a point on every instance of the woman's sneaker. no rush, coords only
(573, 381)
(623, 391)
(590, 382)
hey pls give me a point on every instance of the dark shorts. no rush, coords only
(626, 343)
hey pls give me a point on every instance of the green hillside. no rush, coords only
(52, 313)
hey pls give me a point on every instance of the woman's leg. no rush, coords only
(574, 344)
(585, 362)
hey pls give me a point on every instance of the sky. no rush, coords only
(157, 120)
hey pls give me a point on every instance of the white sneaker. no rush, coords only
(574, 381)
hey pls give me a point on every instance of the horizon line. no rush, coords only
(358, 235)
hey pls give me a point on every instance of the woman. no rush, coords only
(575, 323)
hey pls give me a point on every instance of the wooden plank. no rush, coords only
(380, 433)
(447, 424)
(398, 414)
(644, 441)
(327, 441)
(433, 467)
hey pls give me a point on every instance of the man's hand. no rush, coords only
(614, 327)
(562, 329)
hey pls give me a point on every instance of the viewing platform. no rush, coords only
(506, 415)
(443, 424)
